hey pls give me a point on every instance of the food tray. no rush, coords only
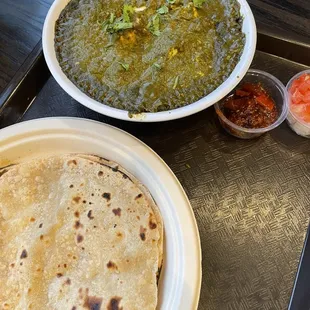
(250, 198)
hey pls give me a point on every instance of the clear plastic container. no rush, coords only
(298, 125)
(275, 89)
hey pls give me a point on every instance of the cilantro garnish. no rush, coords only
(112, 17)
(124, 65)
(163, 10)
(127, 10)
(156, 65)
(153, 25)
(121, 23)
(198, 3)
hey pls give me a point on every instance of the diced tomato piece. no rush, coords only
(265, 101)
(297, 97)
(304, 87)
(242, 93)
(294, 86)
(304, 78)
(307, 98)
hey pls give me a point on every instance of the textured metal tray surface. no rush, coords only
(300, 297)
(251, 198)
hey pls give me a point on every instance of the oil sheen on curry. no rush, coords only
(149, 56)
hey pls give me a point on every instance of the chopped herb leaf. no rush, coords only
(153, 25)
(122, 26)
(176, 81)
(198, 3)
(171, 1)
(112, 17)
(121, 23)
(127, 9)
(125, 66)
(108, 46)
(105, 25)
(163, 10)
(156, 65)
(187, 166)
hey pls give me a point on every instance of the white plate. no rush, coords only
(180, 282)
(249, 29)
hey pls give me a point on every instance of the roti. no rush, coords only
(77, 232)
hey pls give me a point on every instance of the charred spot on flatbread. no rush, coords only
(92, 302)
(124, 175)
(112, 266)
(152, 223)
(89, 215)
(114, 303)
(79, 238)
(24, 254)
(78, 225)
(106, 196)
(115, 169)
(59, 275)
(138, 196)
(77, 214)
(117, 211)
(67, 282)
(76, 199)
(100, 173)
(142, 233)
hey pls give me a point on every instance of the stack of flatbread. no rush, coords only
(77, 232)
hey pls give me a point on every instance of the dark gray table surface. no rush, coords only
(21, 23)
(251, 198)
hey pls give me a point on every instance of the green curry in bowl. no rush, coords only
(149, 56)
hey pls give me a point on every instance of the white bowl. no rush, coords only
(249, 28)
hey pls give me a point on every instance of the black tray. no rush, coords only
(251, 198)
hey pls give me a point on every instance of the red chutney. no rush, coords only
(250, 107)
